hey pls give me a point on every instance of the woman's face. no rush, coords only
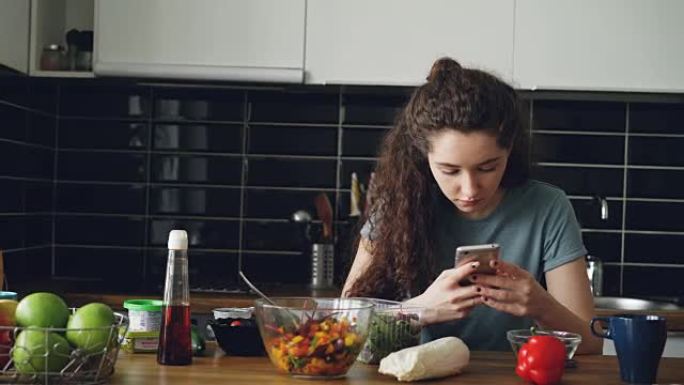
(468, 169)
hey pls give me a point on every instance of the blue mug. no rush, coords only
(639, 342)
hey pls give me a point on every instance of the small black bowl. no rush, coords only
(238, 337)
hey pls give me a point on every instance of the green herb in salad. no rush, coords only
(390, 332)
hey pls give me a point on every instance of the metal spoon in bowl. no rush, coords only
(295, 319)
(254, 288)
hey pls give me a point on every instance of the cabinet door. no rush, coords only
(14, 34)
(619, 45)
(258, 40)
(396, 41)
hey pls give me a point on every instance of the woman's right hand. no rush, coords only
(446, 299)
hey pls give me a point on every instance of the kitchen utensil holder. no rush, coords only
(322, 265)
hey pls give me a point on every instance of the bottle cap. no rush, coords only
(178, 240)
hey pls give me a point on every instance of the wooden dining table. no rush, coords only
(484, 368)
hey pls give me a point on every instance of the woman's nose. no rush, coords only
(469, 186)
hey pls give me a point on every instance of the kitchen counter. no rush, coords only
(204, 302)
(484, 368)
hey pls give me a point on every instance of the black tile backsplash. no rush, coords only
(99, 230)
(106, 135)
(204, 201)
(603, 245)
(362, 142)
(188, 104)
(655, 151)
(580, 180)
(292, 140)
(595, 149)
(291, 172)
(99, 198)
(656, 118)
(654, 248)
(96, 171)
(296, 107)
(579, 116)
(197, 169)
(101, 166)
(654, 216)
(27, 141)
(104, 101)
(198, 137)
(656, 184)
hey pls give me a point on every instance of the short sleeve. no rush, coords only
(562, 235)
(369, 228)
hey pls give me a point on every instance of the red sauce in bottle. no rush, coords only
(175, 347)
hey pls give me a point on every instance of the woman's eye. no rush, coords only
(488, 169)
(450, 172)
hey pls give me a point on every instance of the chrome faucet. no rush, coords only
(595, 273)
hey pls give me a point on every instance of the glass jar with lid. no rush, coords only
(52, 58)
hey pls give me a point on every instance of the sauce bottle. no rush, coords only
(175, 346)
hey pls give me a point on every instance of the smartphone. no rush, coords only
(480, 253)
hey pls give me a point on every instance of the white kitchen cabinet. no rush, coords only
(394, 42)
(50, 21)
(249, 40)
(14, 34)
(615, 45)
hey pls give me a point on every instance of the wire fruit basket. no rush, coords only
(43, 355)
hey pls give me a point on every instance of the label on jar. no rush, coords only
(144, 321)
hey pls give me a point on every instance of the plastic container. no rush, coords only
(393, 327)
(8, 295)
(144, 314)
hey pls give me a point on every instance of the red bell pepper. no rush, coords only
(541, 360)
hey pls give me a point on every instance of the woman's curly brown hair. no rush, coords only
(401, 217)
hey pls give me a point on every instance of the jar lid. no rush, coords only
(143, 304)
(233, 312)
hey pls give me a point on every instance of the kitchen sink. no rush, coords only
(624, 303)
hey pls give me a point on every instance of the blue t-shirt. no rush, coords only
(535, 226)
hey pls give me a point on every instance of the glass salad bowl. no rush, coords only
(313, 337)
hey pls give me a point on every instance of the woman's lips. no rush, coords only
(469, 202)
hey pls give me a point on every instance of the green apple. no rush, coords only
(98, 318)
(42, 310)
(37, 350)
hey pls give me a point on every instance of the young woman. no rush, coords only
(454, 172)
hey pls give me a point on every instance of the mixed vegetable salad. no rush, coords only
(324, 347)
(390, 330)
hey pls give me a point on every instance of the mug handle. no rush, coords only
(605, 333)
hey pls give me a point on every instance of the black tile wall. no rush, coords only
(119, 164)
(27, 140)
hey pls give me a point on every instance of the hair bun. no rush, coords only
(443, 68)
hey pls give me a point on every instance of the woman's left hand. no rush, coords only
(512, 290)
